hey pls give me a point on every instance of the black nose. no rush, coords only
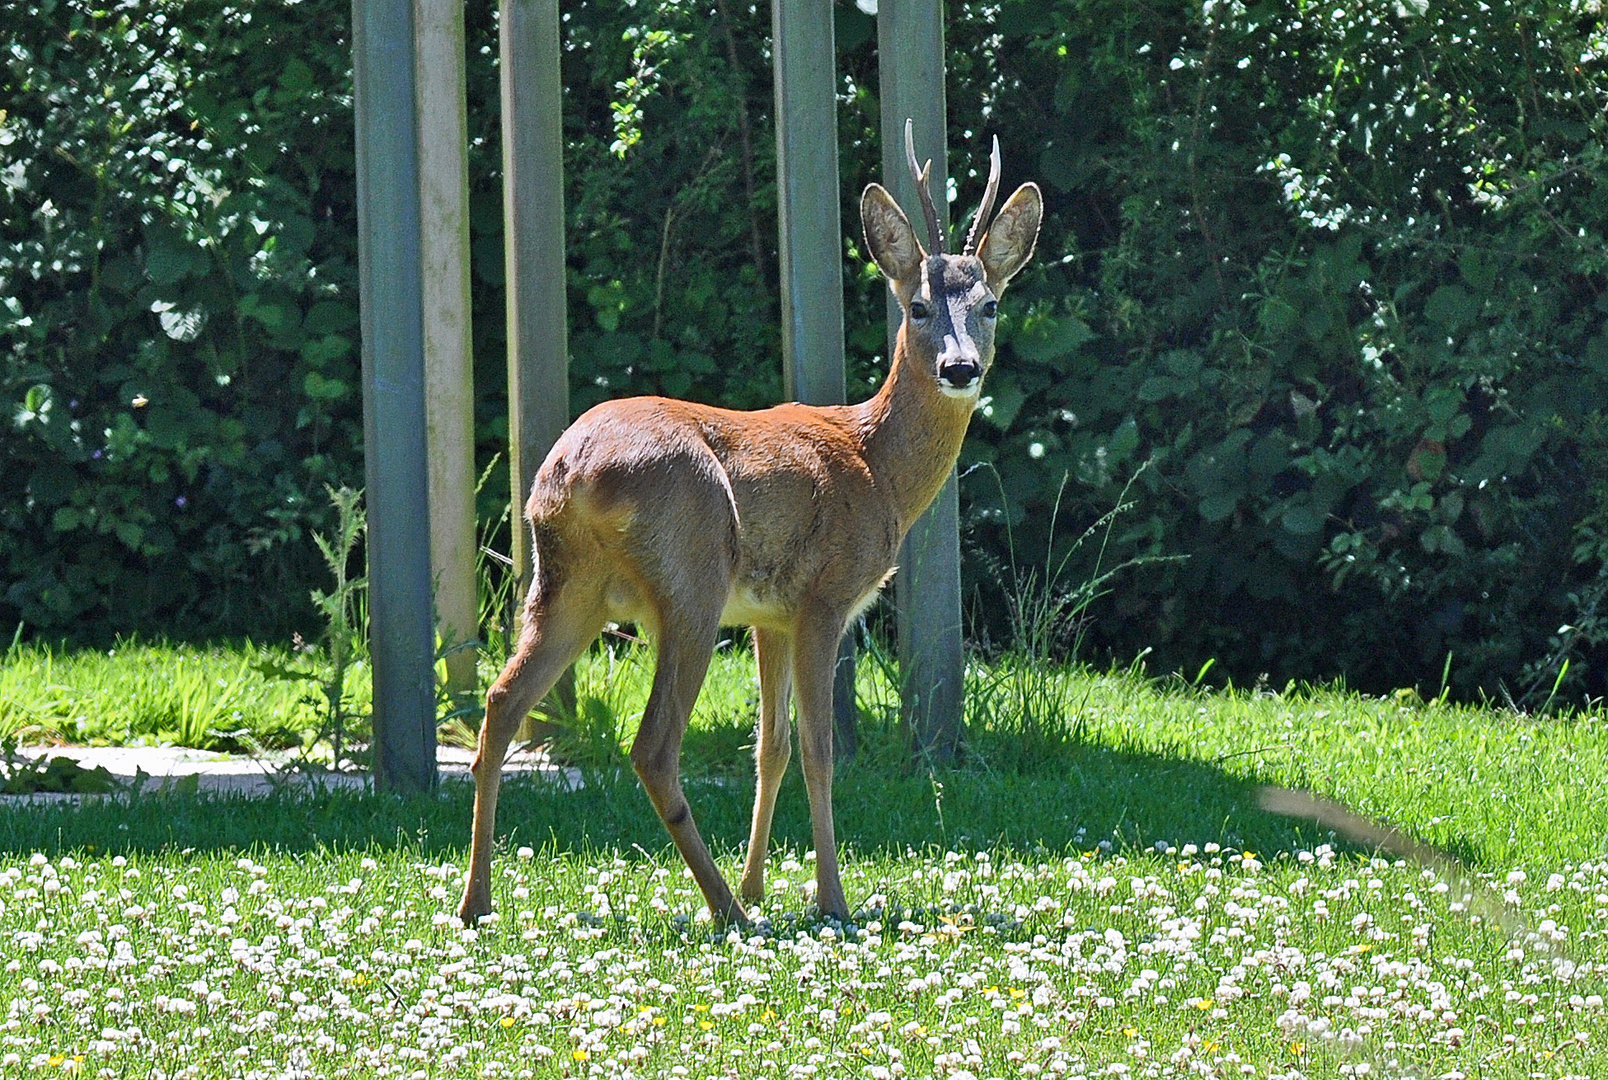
(959, 374)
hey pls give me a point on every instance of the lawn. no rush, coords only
(1098, 889)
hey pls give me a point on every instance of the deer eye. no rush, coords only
(919, 310)
(990, 309)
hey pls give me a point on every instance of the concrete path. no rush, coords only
(250, 776)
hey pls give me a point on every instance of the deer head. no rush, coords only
(950, 302)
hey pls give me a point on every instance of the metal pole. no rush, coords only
(910, 47)
(402, 645)
(533, 256)
(448, 340)
(811, 243)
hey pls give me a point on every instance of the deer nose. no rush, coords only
(960, 373)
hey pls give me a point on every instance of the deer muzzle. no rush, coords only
(958, 364)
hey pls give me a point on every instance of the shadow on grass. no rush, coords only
(1086, 794)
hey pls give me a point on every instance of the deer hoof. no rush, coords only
(476, 902)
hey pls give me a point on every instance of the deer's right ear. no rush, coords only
(888, 234)
(1009, 242)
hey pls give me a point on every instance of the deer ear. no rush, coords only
(888, 234)
(1008, 244)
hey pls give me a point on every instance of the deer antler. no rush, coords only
(979, 225)
(935, 235)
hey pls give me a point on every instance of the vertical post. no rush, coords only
(910, 49)
(811, 242)
(402, 643)
(448, 341)
(533, 253)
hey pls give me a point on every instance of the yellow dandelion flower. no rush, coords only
(1298, 1048)
(55, 1060)
(1130, 1031)
(706, 1024)
(579, 1055)
(507, 1021)
(1203, 1004)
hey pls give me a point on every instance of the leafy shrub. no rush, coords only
(178, 266)
(54, 774)
(1338, 273)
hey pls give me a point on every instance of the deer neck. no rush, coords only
(913, 434)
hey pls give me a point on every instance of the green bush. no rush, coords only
(1338, 274)
(178, 269)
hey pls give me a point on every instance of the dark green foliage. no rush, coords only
(21, 775)
(671, 204)
(1337, 273)
(177, 273)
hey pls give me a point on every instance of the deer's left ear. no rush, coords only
(1008, 244)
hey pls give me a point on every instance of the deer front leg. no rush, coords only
(773, 651)
(814, 662)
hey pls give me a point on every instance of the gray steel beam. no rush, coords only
(910, 48)
(533, 257)
(811, 242)
(448, 340)
(401, 634)
(533, 239)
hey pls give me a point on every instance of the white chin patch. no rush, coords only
(961, 392)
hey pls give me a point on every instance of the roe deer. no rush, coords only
(683, 517)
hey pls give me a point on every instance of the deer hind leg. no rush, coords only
(774, 651)
(559, 622)
(814, 663)
(686, 639)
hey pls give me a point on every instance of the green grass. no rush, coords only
(1096, 890)
(140, 692)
